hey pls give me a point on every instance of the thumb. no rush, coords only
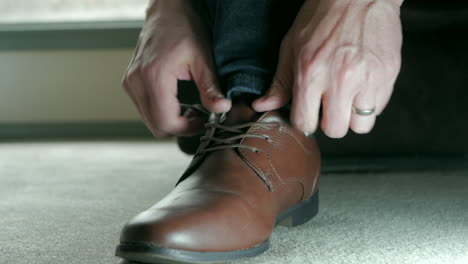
(276, 97)
(280, 91)
(210, 94)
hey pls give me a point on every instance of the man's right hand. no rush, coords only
(173, 45)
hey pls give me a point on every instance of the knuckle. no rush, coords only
(353, 65)
(127, 81)
(125, 84)
(347, 63)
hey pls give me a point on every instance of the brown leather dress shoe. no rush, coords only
(246, 178)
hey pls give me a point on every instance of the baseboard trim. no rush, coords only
(70, 36)
(73, 130)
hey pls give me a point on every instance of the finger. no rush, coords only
(382, 98)
(276, 97)
(365, 100)
(306, 104)
(210, 94)
(280, 91)
(307, 95)
(337, 109)
(134, 87)
(368, 81)
(164, 111)
(353, 81)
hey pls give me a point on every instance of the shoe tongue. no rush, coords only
(240, 113)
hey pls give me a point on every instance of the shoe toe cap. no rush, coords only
(222, 223)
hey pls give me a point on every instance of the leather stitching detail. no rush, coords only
(291, 134)
(257, 169)
(274, 143)
(285, 130)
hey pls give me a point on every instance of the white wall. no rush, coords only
(12, 11)
(56, 86)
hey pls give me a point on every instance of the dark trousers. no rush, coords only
(246, 37)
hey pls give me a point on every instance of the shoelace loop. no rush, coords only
(232, 141)
(215, 129)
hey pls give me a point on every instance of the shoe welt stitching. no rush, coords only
(274, 143)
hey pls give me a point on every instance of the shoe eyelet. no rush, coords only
(268, 139)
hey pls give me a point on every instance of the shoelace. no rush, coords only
(215, 129)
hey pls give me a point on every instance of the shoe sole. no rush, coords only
(150, 254)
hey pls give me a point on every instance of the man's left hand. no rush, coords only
(343, 55)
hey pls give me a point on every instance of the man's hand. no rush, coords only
(338, 53)
(173, 45)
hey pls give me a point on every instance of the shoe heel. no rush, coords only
(300, 214)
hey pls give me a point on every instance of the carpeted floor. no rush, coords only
(66, 202)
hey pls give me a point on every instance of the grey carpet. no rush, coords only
(66, 202)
